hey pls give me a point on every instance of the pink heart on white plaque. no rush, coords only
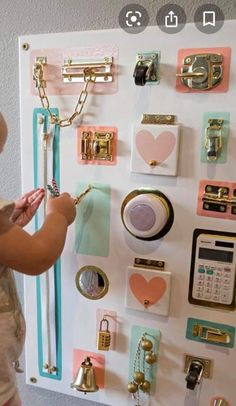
(151, 291)
(155, 148)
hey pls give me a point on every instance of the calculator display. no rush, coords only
(215, 255)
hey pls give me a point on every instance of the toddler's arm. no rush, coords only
(32, 255)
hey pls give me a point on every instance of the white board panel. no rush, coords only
(123, 110)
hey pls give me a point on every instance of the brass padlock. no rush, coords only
(104, 336)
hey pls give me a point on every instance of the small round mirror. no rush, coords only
(92, 282)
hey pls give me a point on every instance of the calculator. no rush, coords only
(212, 274)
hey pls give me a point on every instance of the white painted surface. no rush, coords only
(175, 248)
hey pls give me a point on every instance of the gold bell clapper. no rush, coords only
(144, 358)
(85, 378)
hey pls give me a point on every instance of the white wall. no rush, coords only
(19, 17)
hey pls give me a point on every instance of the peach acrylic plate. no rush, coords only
(217, 214)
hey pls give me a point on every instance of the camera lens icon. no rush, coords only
(133, 18)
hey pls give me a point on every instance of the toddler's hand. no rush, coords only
(64, 204)
(26, 207)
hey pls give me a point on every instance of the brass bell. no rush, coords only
(145, 386)
(146, 344)
(150, 357)
(85, 378)
(132, 387)
(138, 377)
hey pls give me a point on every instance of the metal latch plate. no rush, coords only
(96, 146)
(213, 138)
(209, 332)
(207, 363)
(73, 69)
(202, 71)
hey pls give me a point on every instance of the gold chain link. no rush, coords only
(89, 77)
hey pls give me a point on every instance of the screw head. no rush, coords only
(25, 46)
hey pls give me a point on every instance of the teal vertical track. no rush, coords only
(57, 265)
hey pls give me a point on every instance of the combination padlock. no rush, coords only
(104, 336)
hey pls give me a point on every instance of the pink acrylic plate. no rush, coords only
(55, 61)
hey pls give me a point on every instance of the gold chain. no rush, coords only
(89, 76)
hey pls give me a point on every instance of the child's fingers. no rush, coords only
(38, 193)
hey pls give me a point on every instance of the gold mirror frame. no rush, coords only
(92, 268)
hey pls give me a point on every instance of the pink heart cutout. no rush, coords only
(143, 290)
(151, 148)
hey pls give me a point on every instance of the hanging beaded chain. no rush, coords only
(54, 191)
(139, 373)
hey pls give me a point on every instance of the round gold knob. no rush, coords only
(146, 302)
(153, 162)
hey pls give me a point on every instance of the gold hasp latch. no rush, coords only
(217, 198)
(158, 119)
(96, 146)
(202, 71)
(210, 334)
(74, 70)
(213, 138)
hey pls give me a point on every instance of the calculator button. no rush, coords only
(225, 296)
(216, 298)
(209, 278)
(208, 290)
(200, 283)
(226, 269)
(218, 273)
(227, 275)
(199, 295)
(216, 291)
(208, 284)
(216, 285)
(201, 270)
(210, 271)
(207, 296)
(201, 277)
(226, 281)
(199, 288)
(226, 287)
(217, 279)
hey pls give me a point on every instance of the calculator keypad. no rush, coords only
(214, 283)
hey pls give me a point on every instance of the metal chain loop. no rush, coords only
(89, 77)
